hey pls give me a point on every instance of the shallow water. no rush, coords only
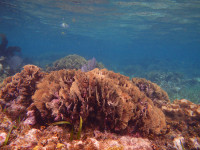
(134, 38)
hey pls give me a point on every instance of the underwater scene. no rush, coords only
(99, 75)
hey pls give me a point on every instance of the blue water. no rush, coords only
(162, 33)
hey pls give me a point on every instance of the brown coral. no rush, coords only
(153, 91)
(103, 98)
(16, 91)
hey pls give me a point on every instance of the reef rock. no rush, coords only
(30, 139)
(183, 117)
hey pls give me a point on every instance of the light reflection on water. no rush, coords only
(98, 17)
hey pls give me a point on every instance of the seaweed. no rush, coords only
(60, 122)
(80, 128)
(182, 146)
(8, 135)
(72, 128)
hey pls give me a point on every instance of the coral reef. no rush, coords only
(177, 85)
(117, 113)
(70, 62)
(183, 117)
(103, 98)
(152, 90)
(50, 138)
(16, 91)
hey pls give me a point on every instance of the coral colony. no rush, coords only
(89, 66)
(74, 62)
(106, 110)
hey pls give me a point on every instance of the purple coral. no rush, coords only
(84, 68)
(90, 65)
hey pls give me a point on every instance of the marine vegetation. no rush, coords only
(8, 135)
(102, 106)
(72, 126)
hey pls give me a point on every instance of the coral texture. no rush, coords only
(16, 91)
(71, 62)
(152, 90)
(183, 117)
(103, 98)
(117, 113)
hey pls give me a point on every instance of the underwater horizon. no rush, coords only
(157, 40)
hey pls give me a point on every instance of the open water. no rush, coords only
(138, 38)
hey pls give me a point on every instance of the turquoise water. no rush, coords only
(134, 38)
